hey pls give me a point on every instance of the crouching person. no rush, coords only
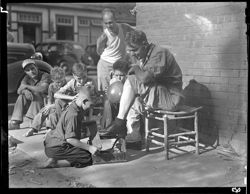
(32, 90)
(64, 143)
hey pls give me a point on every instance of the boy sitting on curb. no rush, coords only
(69, 92)
(58, 77)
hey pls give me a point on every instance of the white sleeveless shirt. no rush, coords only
(115, 46)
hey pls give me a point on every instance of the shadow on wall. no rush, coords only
(197, 94)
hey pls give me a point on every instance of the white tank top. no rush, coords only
(115, 46)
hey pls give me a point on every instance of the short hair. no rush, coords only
(121, 65)
(79, 68)
(57, 73)
(136, 37)
(108, 10)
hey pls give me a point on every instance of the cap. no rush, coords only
(27, 62)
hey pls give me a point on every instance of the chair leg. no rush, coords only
(196, 133)
(165, 120)
(147, 139)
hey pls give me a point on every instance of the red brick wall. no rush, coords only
(210, 45)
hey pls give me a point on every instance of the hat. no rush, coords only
(28, 62)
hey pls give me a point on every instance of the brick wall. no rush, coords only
(210, 45)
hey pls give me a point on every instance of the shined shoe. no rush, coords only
(115, 129)
(30, 132)
(13, 124)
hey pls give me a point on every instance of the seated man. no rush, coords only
(64, 143)
(119, 73)
(32, 90)
(156, 78)
(69, 92)
(58, 77)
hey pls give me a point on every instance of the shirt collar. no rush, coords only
(75, 107)
(150, 49)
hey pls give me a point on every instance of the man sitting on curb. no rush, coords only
(33, 89)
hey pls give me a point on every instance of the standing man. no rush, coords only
(156, 78)
(33, 89)
(110, 46)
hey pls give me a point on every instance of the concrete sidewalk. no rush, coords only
(212, 168)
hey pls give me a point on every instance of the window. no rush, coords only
(29, 18)
(96, 22)
(64, 20)
(83, 22)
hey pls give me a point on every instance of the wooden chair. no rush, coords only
(180, 136)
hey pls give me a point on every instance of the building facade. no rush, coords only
(80, 22)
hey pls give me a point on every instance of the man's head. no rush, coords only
(109, 21)
(30, 68)
(58, 76)
(137, 44)
(79, 71)
(120, 70)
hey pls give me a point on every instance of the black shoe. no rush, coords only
(115, 129)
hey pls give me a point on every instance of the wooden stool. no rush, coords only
(184, 112)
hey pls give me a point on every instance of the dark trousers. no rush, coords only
(77, 157)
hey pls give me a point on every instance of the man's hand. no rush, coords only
(75, 97)
(45, 110)
(22, 87)
(134, 69)
(28, 94)
(103, 38)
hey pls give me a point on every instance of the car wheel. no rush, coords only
(64, 65)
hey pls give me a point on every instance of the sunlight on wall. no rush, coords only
(203, 23)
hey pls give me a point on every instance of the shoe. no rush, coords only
(11, 142)
(13, 124)
(30, 132)
(115, 129)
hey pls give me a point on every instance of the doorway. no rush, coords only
(65, 33)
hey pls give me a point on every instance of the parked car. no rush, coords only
(90, 56)
(61, 53)
(16, 53)
(19, 51)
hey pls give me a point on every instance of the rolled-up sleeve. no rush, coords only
(67, 87)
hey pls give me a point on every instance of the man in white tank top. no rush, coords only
(110, 46)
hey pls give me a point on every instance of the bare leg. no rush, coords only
(127, 100)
